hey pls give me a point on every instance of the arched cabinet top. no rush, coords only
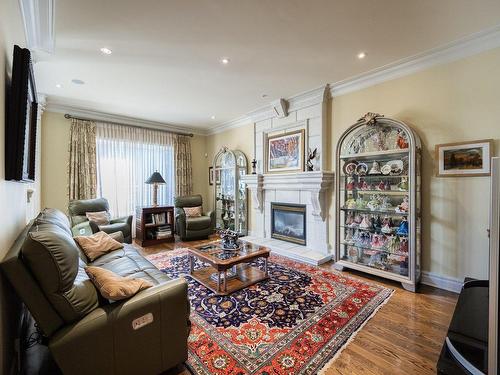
(227, 158)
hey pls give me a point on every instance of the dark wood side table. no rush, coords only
(154, 225)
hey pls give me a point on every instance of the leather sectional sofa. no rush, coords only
(146, 334)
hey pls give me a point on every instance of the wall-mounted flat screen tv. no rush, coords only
(21, 119)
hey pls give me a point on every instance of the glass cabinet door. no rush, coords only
(378, 200)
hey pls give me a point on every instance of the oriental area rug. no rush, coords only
(293, 323)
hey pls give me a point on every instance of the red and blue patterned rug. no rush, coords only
(293, 323)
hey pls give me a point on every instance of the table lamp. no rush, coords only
(155, 180)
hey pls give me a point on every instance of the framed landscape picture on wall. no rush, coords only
(464, 158)
(285, 152)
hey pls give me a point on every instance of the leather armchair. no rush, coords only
(81, 226)
(192, 228)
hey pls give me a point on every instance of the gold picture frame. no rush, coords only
(291, 148)
(464, 159)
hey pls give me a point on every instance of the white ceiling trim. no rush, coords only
(60, 107)
(38, 20)
(471, 45)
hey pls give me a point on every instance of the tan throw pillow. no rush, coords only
(100, 218)
(115, 287)
(97, 244)
(193, 211)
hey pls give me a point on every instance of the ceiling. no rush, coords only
(166, 67)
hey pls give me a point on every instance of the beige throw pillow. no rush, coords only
(115, 287)
(97, 244)
(100, 218)
(193, 211)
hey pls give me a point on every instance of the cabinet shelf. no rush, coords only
(375, 231)
(379, 192)
(368, 211)
(375, 154)
(377, 249)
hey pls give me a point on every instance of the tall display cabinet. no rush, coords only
(230, 192)
(378, 199)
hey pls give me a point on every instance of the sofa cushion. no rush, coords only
(115, 287)
(52, 256)
(127, 262)
(198, 223)
(97, 244)
(53, 216)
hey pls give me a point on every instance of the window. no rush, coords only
(126, 157)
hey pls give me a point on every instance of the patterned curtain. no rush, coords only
(82, 160)
(183, 166)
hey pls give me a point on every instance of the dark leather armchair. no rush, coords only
(192, 228)
(80, 225)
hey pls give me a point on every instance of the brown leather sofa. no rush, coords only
(87, 334)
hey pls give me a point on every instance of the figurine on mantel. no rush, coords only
(310, 157)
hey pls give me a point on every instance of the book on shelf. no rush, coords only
(158, 218)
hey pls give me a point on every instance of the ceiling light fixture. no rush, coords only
(361, 55)
(225, 60)
(78, 81)
(58, 85)
(106, 51)
(213, 117)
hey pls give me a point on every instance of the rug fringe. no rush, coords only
(328, 364)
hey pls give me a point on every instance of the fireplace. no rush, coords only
(288, 222)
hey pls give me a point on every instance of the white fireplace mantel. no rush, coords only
(308, 188)
(315, 182)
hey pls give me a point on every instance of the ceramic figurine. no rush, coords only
(403, 228)
(401, 140)
(353, 254)
(348, 237)
(378, 223)
(393, 244)
(403, 246)
(381, 185)
(358, 219)
(387, 185)
(365, 223)
(349, 220)
(386, 203)
(404, 206)
(386, 226)
(350, 203)
(403, 185)
(363, 185)
(361, 203)
(374, 203)
(361, 169)
(376, 241)
(375, 169)
(350, 184)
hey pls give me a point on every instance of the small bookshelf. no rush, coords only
(155, 225)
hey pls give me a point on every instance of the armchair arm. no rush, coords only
(123, 219)
(108, 337)
(180, 222)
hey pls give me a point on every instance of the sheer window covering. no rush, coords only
(126, 157)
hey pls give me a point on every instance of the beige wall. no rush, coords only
(16, 212)
(448, 103)
(55, 157)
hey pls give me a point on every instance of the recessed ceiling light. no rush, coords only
(361, 55)
(106, 51)
(213, 117)
(78, 81)
(225, 60)
(58, 85)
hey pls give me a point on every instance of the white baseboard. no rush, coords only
(442, 282)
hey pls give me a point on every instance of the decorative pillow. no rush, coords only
(100, 218)
(193, 211)
(97, 244)
(115, 287)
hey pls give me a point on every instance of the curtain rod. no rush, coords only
(68, 116)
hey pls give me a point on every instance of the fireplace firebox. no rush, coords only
(288, 222)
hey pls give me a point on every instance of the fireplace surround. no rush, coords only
(288, 222)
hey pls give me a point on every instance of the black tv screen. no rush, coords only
(21, 119)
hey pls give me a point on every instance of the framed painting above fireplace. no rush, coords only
(285, 152)
(288, 222)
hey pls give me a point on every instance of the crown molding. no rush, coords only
(38, 19)
(459, 49)
(61, 107)
(296, 102)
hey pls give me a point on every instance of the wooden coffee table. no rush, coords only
(228, 271)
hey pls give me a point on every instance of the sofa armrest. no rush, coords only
(108, 334)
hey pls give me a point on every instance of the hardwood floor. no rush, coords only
(404, 337)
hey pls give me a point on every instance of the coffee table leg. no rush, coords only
(265, 267)
(218, 281)
(191, 264)
(225, 280)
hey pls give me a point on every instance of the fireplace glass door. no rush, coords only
(288, 222)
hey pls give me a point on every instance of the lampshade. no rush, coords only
(155, 178)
